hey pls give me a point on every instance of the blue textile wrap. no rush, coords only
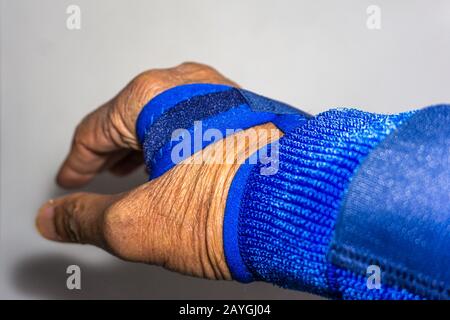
(232, 253)
(286, 221)
(218, 107)
(396, 213)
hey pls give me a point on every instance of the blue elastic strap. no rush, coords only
(218, 107)
(233, 257)
(166, 100)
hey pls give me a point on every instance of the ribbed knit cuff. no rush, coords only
(286, 221)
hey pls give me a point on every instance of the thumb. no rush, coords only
(75, 218)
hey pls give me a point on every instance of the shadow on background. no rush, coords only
(44, 276)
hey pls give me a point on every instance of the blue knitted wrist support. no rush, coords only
(197, 108)
(279, 228)
(306, 226)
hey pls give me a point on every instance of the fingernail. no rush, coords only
(45, 222)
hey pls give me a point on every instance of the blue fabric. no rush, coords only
(169, 98)
(348, 285)
(279, 228)
(184, 114)
(287, 220)
(230, 226)
(259, 103)
(397, 210)
(216, 106)
(235, 118)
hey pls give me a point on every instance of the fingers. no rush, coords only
(95, 146)
(111, 127)
(75, 218)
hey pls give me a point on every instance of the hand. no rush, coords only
(174, 221)
(106, 138)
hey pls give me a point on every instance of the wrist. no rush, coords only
(220, 175)
(193, 125)
(190, 200)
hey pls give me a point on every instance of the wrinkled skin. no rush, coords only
(174, 221)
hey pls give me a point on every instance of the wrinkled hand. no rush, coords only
(174, 221)
(106, 138)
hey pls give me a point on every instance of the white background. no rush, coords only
(312, 54)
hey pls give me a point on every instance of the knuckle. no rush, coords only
(192, 65)
(189, 64)
(65, 222)
(78, 135)
(81, 140)
(197, 70)
(72, 210)
(59, 224)
(145, 85)
(145, 79)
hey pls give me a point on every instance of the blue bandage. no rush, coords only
(218, 107)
